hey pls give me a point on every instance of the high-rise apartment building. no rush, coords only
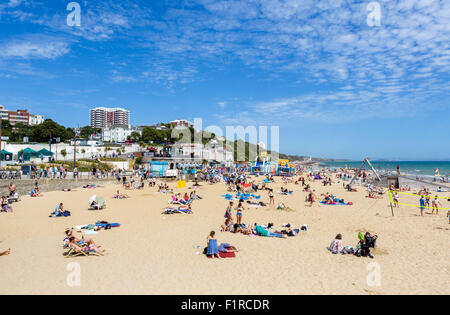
(102, 117)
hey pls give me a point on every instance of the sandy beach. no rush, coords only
(151, 253)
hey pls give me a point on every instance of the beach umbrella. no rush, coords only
(92, 199)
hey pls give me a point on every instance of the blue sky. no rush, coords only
(336, 86)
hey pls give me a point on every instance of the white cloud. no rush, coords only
(39, 48)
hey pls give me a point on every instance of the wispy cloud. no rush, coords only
(33, 47)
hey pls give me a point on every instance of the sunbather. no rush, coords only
(265, 232)
(84, 248)
(119, 195)
(7, 252)
(59, 212)
(80, 242)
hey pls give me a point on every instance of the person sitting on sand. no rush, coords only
(119, 195)
(239, 210)
(337, 247)
(14, 198)
(227, 225)
(59, 212)
(5, 205)
(36, 193)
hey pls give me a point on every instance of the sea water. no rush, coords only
(421, 169)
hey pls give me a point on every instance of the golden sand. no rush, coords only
(153, 253)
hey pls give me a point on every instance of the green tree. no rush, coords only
(135, 136)
(152, 135)
(41, 133)
(64, 153)
(87, 131)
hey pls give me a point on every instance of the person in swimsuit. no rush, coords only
(239, 210)
(228, 211)
(422, 205)
(436, 205)
(271, 198)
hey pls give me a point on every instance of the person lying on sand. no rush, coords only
(7, 252)
(265, 232)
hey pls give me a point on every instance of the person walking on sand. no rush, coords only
(228, 211)
(271, 198)
(312, 197)
(395, 199)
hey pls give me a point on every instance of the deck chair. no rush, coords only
(100, 205)
(73, 252)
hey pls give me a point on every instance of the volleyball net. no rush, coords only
(407, 199)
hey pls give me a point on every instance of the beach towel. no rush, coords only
(227, 255)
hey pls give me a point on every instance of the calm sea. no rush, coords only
(420, 168)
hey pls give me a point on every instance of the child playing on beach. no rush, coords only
(395, 199)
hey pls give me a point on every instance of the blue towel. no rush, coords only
(212, 247)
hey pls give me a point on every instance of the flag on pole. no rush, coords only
(436, 172)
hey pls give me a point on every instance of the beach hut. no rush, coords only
(6, 156)
(45, 152)
(28, 153)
